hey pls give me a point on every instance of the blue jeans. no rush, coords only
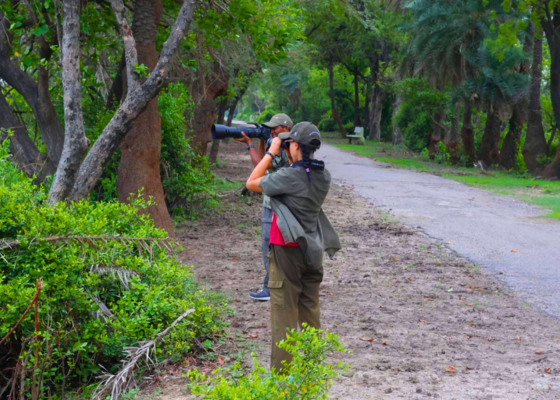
(266, 221)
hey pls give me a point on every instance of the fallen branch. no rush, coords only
(119, 382)
(39, 286)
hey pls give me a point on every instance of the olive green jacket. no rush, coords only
(296, 198)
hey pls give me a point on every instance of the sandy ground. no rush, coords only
(421, 322)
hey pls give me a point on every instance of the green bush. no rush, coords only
(185, 176)
(266, 114)
(109, 282)
(414, 117)
(328, 125)
(308, 376)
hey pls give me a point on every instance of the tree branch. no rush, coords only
(135, 102)
(75, 141)
(131, 56)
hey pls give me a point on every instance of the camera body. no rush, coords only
(256, 132)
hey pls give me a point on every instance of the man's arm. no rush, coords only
(254, 181)
(262, 146)
(255, 157)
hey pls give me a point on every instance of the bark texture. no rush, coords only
(535, 142)
(357, 114)
(75, 141)
(25, 154)
(135, 102)
(489, 153)
(139, 167)
(334, 111)
(36, 95)
(215, 149)
(204, 91)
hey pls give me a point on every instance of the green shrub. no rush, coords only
(109, 282)
(267, 114)
(414, 117)
(185, 176)
(308, 376)
(328, 125)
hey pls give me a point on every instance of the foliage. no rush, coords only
(308, 376)
(185, 176)
(109, 282)
(414, 117)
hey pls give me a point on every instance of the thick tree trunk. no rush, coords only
(204, 91)
(397, 134)
(366, 110)
(36, 96)
(467, 133)
(489, 153)
(136, 101)
(139, 167)
(552, 36)
(376, 111)
(25, 154)
(215, 149)
(334, 111)
(535, 142)
(357, 116)
(75, 141)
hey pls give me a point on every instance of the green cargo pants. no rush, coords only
(294, 296)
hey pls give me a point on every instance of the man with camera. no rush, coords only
(279, 123)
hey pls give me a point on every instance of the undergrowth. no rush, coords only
(110, 281)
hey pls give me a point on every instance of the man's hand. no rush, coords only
(275, 146)
(245, 139)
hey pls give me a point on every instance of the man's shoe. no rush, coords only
(261, 295)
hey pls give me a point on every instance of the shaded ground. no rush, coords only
(420, 321)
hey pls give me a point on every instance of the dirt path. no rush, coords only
(504, 235)
(440, 326)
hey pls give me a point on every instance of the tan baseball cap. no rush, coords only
(279, 119)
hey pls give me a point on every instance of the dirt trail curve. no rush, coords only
(481, 226)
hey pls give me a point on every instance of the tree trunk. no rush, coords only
(453, 139)
(397, 135)
(510, 147)
(489, 153)
(334, 111)
(139, 167)
(467, 133)
(204, 90)
(357, 116)
(366, 114)
(535, 142)
(437, 134)
(26, 155)
(551, 27)
(136, 100)
(214, 150)
(36, 96)
(75, 141)
(376, 110)
(508, 155)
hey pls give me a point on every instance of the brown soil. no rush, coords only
(441, 328)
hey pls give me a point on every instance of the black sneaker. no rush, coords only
(261, 295)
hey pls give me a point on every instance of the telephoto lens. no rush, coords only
(223, 131)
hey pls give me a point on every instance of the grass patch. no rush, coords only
(225, 185)
(543, 193)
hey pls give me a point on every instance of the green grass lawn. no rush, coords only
(535, 191)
